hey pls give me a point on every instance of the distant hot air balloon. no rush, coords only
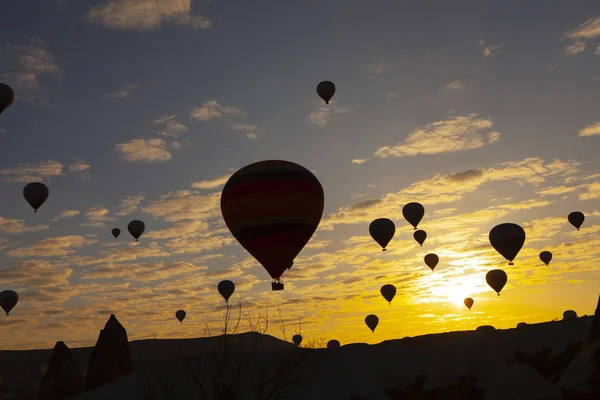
(226, 289)
(420, 236)
(382, 231)
(297, 339)
(116, 232)
(372, 321)
(496, 278)
(7, 96)
(576, 219)
(180, 315)
(413, 213)
(326, 90)
(431, 260)
(273, 208)
(8, 300)
(388, 292)
(521, 324)
(469, 303)
(507, 239)
(333, 344)
(546, 257)
(136, 228)
(36, 193)
(569, 315)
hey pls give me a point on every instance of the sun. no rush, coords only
(459, 288)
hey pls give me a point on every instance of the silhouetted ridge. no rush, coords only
(63, 378)
(595, 332)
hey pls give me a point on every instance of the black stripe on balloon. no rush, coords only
(274, 175)
(284, 228)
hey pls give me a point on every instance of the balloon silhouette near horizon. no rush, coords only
(388, 292)
(382, 230)
(431, 260)
(469, 302)
(297, 339)
(180, 315)
(36, 194)
(273, 208)
(372, 321)
(420, 236)
(7, 97)
(576, 219)
(136, 228)
(326, 90)
(226, 289)
(333, 344)
(496, 278)
(546, 257)
(413, 212)
(8, 300)
(116, 232)
(508, 240)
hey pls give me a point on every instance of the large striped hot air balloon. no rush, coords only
(273, 208)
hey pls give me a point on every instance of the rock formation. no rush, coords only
(63, 378)
(111, 357)
(595, 333)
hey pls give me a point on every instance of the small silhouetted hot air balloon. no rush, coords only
(382, 231)
(333, 344)
(431, 260)
(297, 339)
(180, 315)
(546, 257)
(420, 236)
(388, 292)
(496, 278)
(226, 289)
(36, 193)
(569, 315)
(372, 321)
(576, 219)
(326, 90)
(273, 208)
(116, 232)
(413, 213)
(469, 303)
(507, 239)
(521, 324)
(8, 300)
(7, 96)
(136, 228)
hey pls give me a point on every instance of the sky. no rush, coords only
(485, 112)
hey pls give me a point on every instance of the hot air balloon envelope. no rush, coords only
(326, 90)
(333, 344)
(431, 260)
(297, 339)
(388, 292)
(546, 257)
(36, 193)
(413, 213)
(507, 239)
(116, 232)
(576, 219)
(382, 231)
(420, 236)
(469, 302)
(226, 289)
(7, 96)
(372, 321)
(8, 300)
(496, 278)
(136, 228)
(180, 315)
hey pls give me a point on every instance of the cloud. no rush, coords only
(96, 216)
(52, 247)
(575, 48)
(597, 51)
(324, 112)
(146, 15)
(489, 50)
(373, 70)
(130, 204)
(185, 205)
(16, 226)
(122, 93)
(26, 63)
(145, 150)
(33, 172)
(212, 109)
(66, 214)
(250, 130)
(587, 30)
(447, 136)
(456, 85)
(79, 166)
(170, 126)
(212, 183)
(591, 130)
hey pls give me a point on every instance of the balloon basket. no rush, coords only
(277, 285)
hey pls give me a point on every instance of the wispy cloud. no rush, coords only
(591, 130)
(587, 30)
(489, 50)
(66, 214)
(212, 183)
(154, 150)
(25, 64)
(170, 127)
(455, 85)
(33, 172)
(575, 48)
(447, 136)
(249, 130)
(97, 216)
(16, 226)
(122, 93)
(52, 247)
(324, 112)
(212, 109)
(130, 204)
(79, 166)
(372, 70)
(146, 15)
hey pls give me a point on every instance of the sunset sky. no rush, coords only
(483, 111)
